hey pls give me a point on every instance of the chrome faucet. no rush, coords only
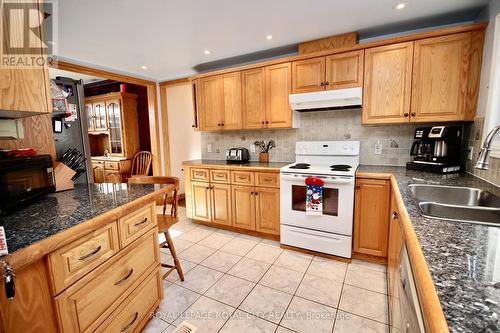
(482, 161)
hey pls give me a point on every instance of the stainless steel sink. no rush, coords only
(465, 204)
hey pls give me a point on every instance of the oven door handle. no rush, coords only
(326, 179)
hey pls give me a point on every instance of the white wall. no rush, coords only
(185, 144)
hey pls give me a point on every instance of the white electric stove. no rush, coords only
(334, 162)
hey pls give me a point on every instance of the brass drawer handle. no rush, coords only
(90, 254)
(117, 283)
(199, 174)
(142, 222)
(268, 179)
(124, 328)
(242, 178)
(219, 175)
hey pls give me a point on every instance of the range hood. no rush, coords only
(326, 100)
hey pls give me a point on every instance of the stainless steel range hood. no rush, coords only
(326, 100)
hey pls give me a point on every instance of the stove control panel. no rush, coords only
(331, 148)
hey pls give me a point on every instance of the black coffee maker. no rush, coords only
(437, 149)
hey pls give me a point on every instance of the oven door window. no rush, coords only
(330, 200)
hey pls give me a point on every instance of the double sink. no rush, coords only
(464, 204)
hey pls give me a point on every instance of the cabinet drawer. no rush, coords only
(112, 165)
(242, 177)
(96, 162)
(76, 259)
(266, 179)
(135, 311)
(135, 224)
(200, 174)
(220, 176)
(87, 303)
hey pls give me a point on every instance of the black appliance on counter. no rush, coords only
(437, 149)
(237, 155)
(23, 180)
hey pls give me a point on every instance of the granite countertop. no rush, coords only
(249, 164)
(63, 210)
(463, 258)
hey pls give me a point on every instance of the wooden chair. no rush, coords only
(141, 164)
(165, 221)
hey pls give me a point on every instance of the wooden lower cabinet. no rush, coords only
(396, 243)
(220, 195)
(371, 217)
(98, 171)
(201, 201)
(106, 171)
(267, 210)
(244, 207)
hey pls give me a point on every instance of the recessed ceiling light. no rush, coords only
(144, 67)
(207, 52)
(401, 5)
(269, 37)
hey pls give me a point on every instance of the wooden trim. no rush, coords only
(392, 40)
(240, 230)
(164, 128)
(373, 175)
(152, 104)
(67, 66)
(173, 83)
(369, 258)
(434, 319)
(36, 251)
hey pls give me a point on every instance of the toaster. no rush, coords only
(237, 155)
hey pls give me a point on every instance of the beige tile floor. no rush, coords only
(239, 283)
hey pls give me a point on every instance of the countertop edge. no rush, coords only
(36, 251)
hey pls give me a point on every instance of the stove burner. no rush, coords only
(300, 166)
(340, 167)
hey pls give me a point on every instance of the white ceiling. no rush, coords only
(169, 36)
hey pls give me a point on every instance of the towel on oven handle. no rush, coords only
(314, 196)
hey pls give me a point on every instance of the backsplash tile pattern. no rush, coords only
(316, 126)
(474, 140)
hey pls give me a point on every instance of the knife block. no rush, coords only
(63, 175)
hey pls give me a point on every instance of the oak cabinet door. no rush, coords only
(101, 121)
(308, 75)
(344, 70)
(98, 171)
(387, 84)
(233, 118)
(201, 201)
(440, 78)
(243, 200)
(278, 87)
(212, 103)
(371, 217)
(395, 248)
(254, 95)
(221, 203)
(114, 114)
(268, 210)
(90, 117)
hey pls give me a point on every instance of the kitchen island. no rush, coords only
(462, 257)
(84, 260)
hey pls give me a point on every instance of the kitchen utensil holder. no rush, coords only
(264, 157)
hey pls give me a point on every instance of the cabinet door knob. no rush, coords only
(406, 114)
(322, 84)
(222, 124)
(262, 122)
(267, 121)
(413, 114)
(192, 126)
(327, 83)
(394, 215)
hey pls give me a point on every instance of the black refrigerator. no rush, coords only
(70, 127)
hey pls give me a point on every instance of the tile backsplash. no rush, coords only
(316, 126)
(474, 140)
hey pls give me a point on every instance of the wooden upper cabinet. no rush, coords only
(232, 115)
(371, 217)
(308, 75)
(212, 103)
(387, 84)
(278, 87)
(344, 70)
(24, 91)
(440, 78)
(254, 96)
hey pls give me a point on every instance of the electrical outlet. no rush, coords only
(378, 148)
(252, 148)
(209, 147)
(470, 154)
